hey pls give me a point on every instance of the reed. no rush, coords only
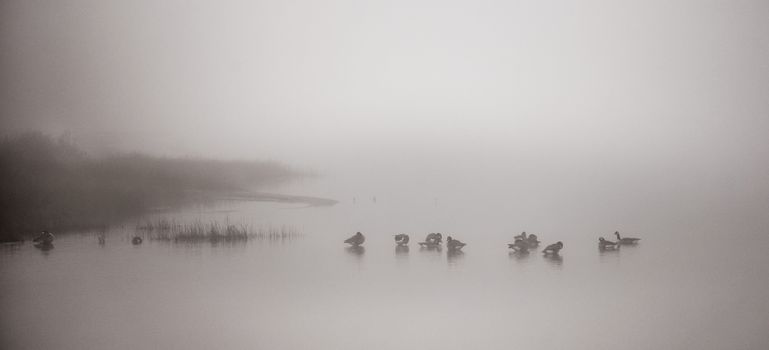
(213, 231)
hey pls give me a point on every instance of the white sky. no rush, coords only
(316, 82)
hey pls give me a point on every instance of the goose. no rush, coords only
(626, 240)
(519, 246)
(454, 244)
(553, 248)
(604, 244)
(45, 237)
(356, 240)
(532, 241)
(432, 240)
(402, 239)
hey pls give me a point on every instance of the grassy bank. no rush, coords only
(48, 183)
(197, 231)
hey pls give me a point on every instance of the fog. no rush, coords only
(547, 100)
(478, 119)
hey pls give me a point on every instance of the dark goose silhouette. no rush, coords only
(454, 244)
(532, 241)
(626, 240)
(432, 240)
(554, 248)
(519, 246)
(607, 245)
(356, 240)
(45, 237)
(402, 239)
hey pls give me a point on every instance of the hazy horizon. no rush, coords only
(541, 100)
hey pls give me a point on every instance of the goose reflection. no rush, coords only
(401, 250)
(607, 250)
(518, 254)
(355, 250)
(44, 247)
(608, 254)
(430, 248)
(555, 259)
(454, 255)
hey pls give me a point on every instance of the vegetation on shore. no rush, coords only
(49, 183)
(198, 231)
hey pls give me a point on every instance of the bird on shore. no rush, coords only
(553, 248)
(521, 236)
(402, 239)
(356, 240)
(519, 246)
(454, 244)
(626, 240)
(604, 244)
(45, 237)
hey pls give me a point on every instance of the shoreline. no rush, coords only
(246, 196)
(277, 197)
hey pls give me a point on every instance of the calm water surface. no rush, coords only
(684, 287)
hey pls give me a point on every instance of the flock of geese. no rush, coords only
(522, 244)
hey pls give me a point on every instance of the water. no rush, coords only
(688, 285)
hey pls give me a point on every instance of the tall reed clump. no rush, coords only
(51, 184)
(198, 231)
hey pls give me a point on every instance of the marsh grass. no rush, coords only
(214, 231)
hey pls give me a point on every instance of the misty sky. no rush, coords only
(310, 82)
